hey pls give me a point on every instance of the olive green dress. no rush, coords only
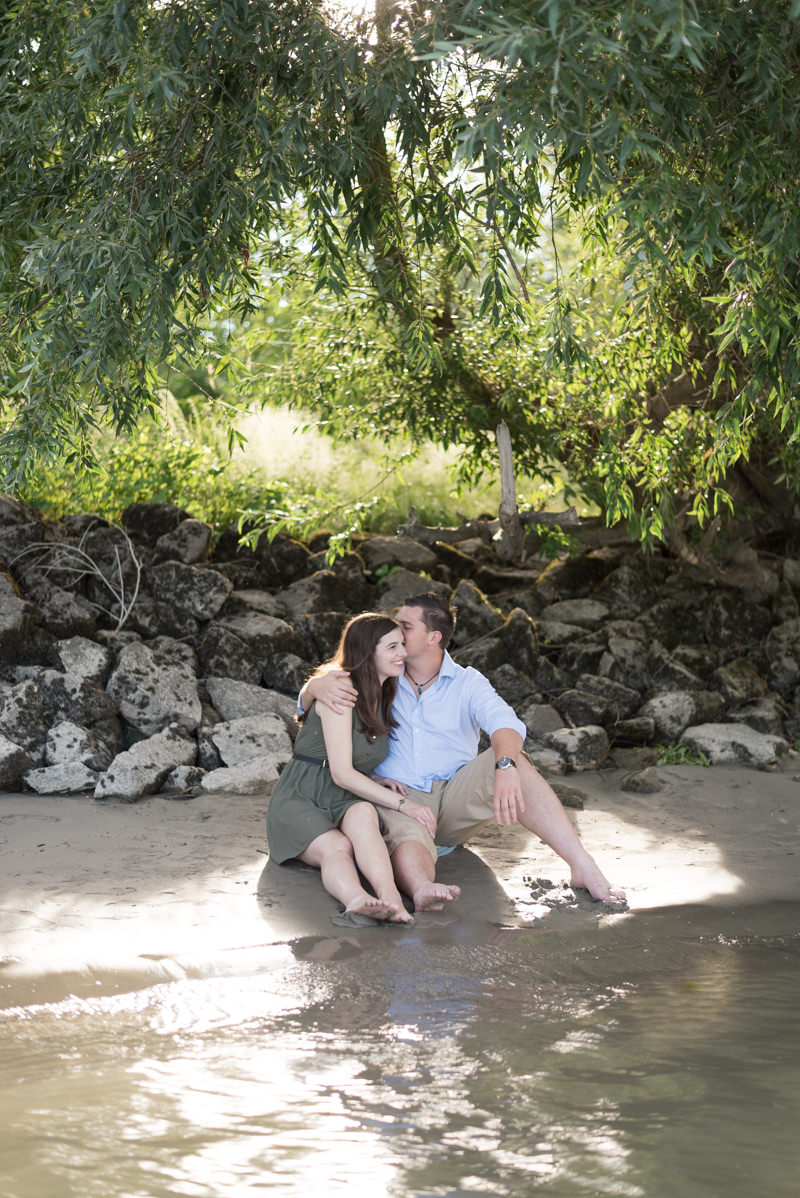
(306, 801)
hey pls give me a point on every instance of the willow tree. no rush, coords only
(158, 161)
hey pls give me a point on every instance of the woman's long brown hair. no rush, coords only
(355, 654)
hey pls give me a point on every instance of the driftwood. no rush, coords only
(487, 530)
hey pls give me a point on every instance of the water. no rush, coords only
(659, 1058)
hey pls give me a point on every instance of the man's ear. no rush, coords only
(436, 636)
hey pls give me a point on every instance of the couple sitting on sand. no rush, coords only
(394, 721)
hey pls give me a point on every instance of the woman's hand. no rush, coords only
(399, 788)
(422, 814)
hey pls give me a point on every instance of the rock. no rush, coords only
(21, 526)
(581, 748)
(188, 543)
(642, 782)
(255, 599)
(638, 730)
(65, 778)
(235, 700)
(626, 591)
(586, 613)
(173, 650)
(573, 578)
(152, 692)
(17, 620)
(513, 686)
(281, 560)
(540, 718)
(256, 776)
(476, 616)
(547, 761)
(765, 715)
(322, 591)
(14, 762)
(621, 701)
(735, 624)
(64, 613)
(73, 697)
(791, 572)
(286, 672)
(195, 590)
(581, 707)
(486, 655)
(739, 681)
(722, 743)
(142, 769)
(552, 634)
(402, 584)
(84, 658)
(152, 618)
(68, 743)
(182, 779)
(23, 719)
(665, 673)
(670, 712)
(148, 522)
(322, 631)
(240, 740)
(396, 551)
(221, 652)
(569, 796)
(265, 636)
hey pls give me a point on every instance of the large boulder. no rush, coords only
(188, 543)
(65, 778)
(194, 590)
(22, 716)
(251, 736)
(141, 769)
(723, 743)
(17, 622)
(234, 700)
(153, 692)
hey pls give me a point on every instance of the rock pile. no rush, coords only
(144, 659)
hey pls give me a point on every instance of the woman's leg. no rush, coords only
(332, 855)
(362, 828)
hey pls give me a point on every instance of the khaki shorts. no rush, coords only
(462, 805)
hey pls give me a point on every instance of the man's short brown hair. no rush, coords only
(437, 614)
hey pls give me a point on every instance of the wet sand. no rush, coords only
(104, 897)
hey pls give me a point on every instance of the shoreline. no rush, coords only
(101, 897)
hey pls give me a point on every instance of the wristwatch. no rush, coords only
(505, 763)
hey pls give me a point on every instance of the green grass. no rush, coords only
(285, 477)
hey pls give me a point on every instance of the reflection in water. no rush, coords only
(613, 1065)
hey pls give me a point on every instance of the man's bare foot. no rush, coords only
(433, 896)
(375, 908)
(600, 889)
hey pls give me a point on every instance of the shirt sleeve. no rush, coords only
(488, 710)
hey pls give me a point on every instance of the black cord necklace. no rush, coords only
(421, 685)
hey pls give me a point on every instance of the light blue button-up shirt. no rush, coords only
(439, 731)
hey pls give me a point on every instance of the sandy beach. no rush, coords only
(100, 897)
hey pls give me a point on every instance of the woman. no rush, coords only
(316, 813)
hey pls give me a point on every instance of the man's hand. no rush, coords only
(333, 690)
(508, 801)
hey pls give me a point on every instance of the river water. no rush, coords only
(657, 1056)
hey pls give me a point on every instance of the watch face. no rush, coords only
(503, 763)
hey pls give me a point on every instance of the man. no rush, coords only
(433, 758)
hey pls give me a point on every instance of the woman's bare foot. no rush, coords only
(375, 908)
(433, 896)
(590, 878)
